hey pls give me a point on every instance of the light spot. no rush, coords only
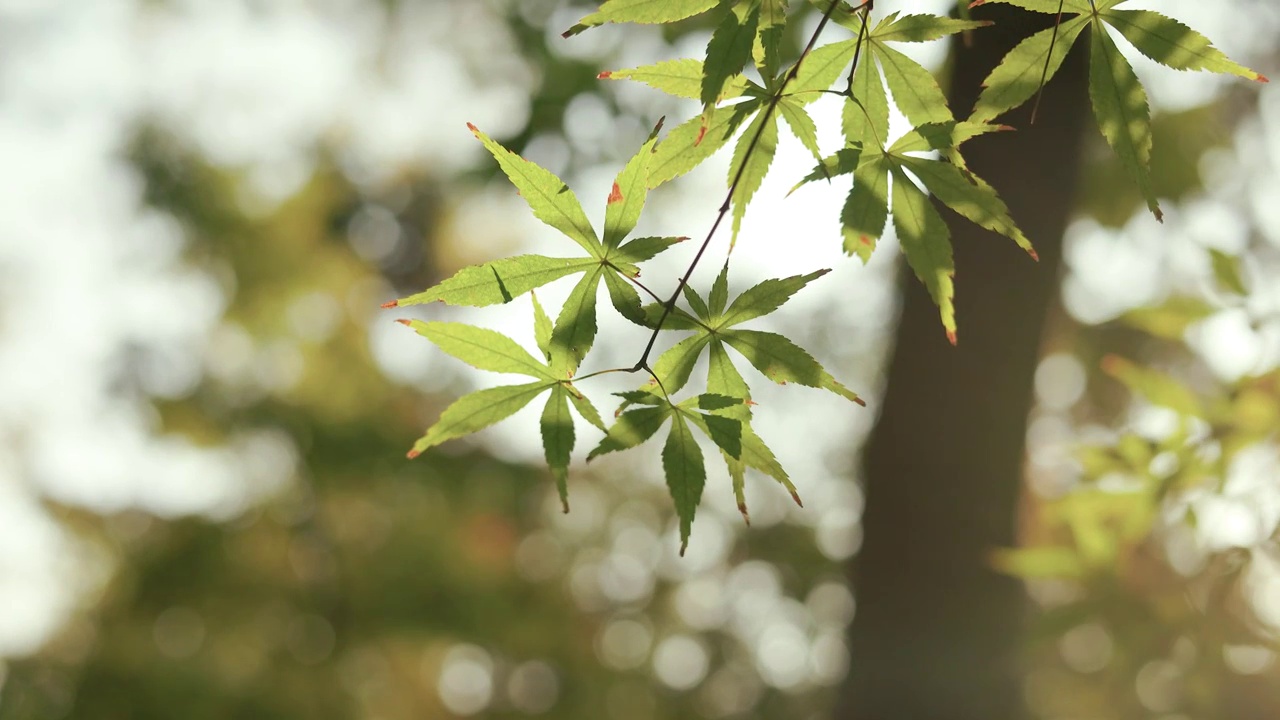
(680, 662)
(533, 687)
(1059, 381)
(624, 644)
(1086, 648)
(466, 680)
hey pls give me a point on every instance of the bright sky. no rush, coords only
(86, 270)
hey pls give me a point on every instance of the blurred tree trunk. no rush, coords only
(936, 635)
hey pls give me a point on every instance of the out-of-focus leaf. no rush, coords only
(1226, 269)
(1171, 318)
(1039, 562)
(927, 244)
(1155, 387)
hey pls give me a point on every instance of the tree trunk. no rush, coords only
(936, 635)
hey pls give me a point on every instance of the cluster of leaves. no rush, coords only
(896, 179)
(1109, 537)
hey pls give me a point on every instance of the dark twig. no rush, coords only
(857, 48)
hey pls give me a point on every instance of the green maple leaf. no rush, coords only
(648, 12)
(714, 323)
(682, 460)
(881, 174)
(915, 91)
(720, 79)
(748, 30)
(609, 260)
(715, 326)
(1118, 98)
(495, 352)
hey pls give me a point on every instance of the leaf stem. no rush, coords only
(775, 98)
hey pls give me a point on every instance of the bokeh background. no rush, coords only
(205, 509)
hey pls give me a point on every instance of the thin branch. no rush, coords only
(857, 48)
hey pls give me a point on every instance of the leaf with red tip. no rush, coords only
(679, 78)
(866, 210)
(686, 146)
(390, 304)
(627, 198)
(1173, 44)
(969, 196)
(926, 242)
(648, 12)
